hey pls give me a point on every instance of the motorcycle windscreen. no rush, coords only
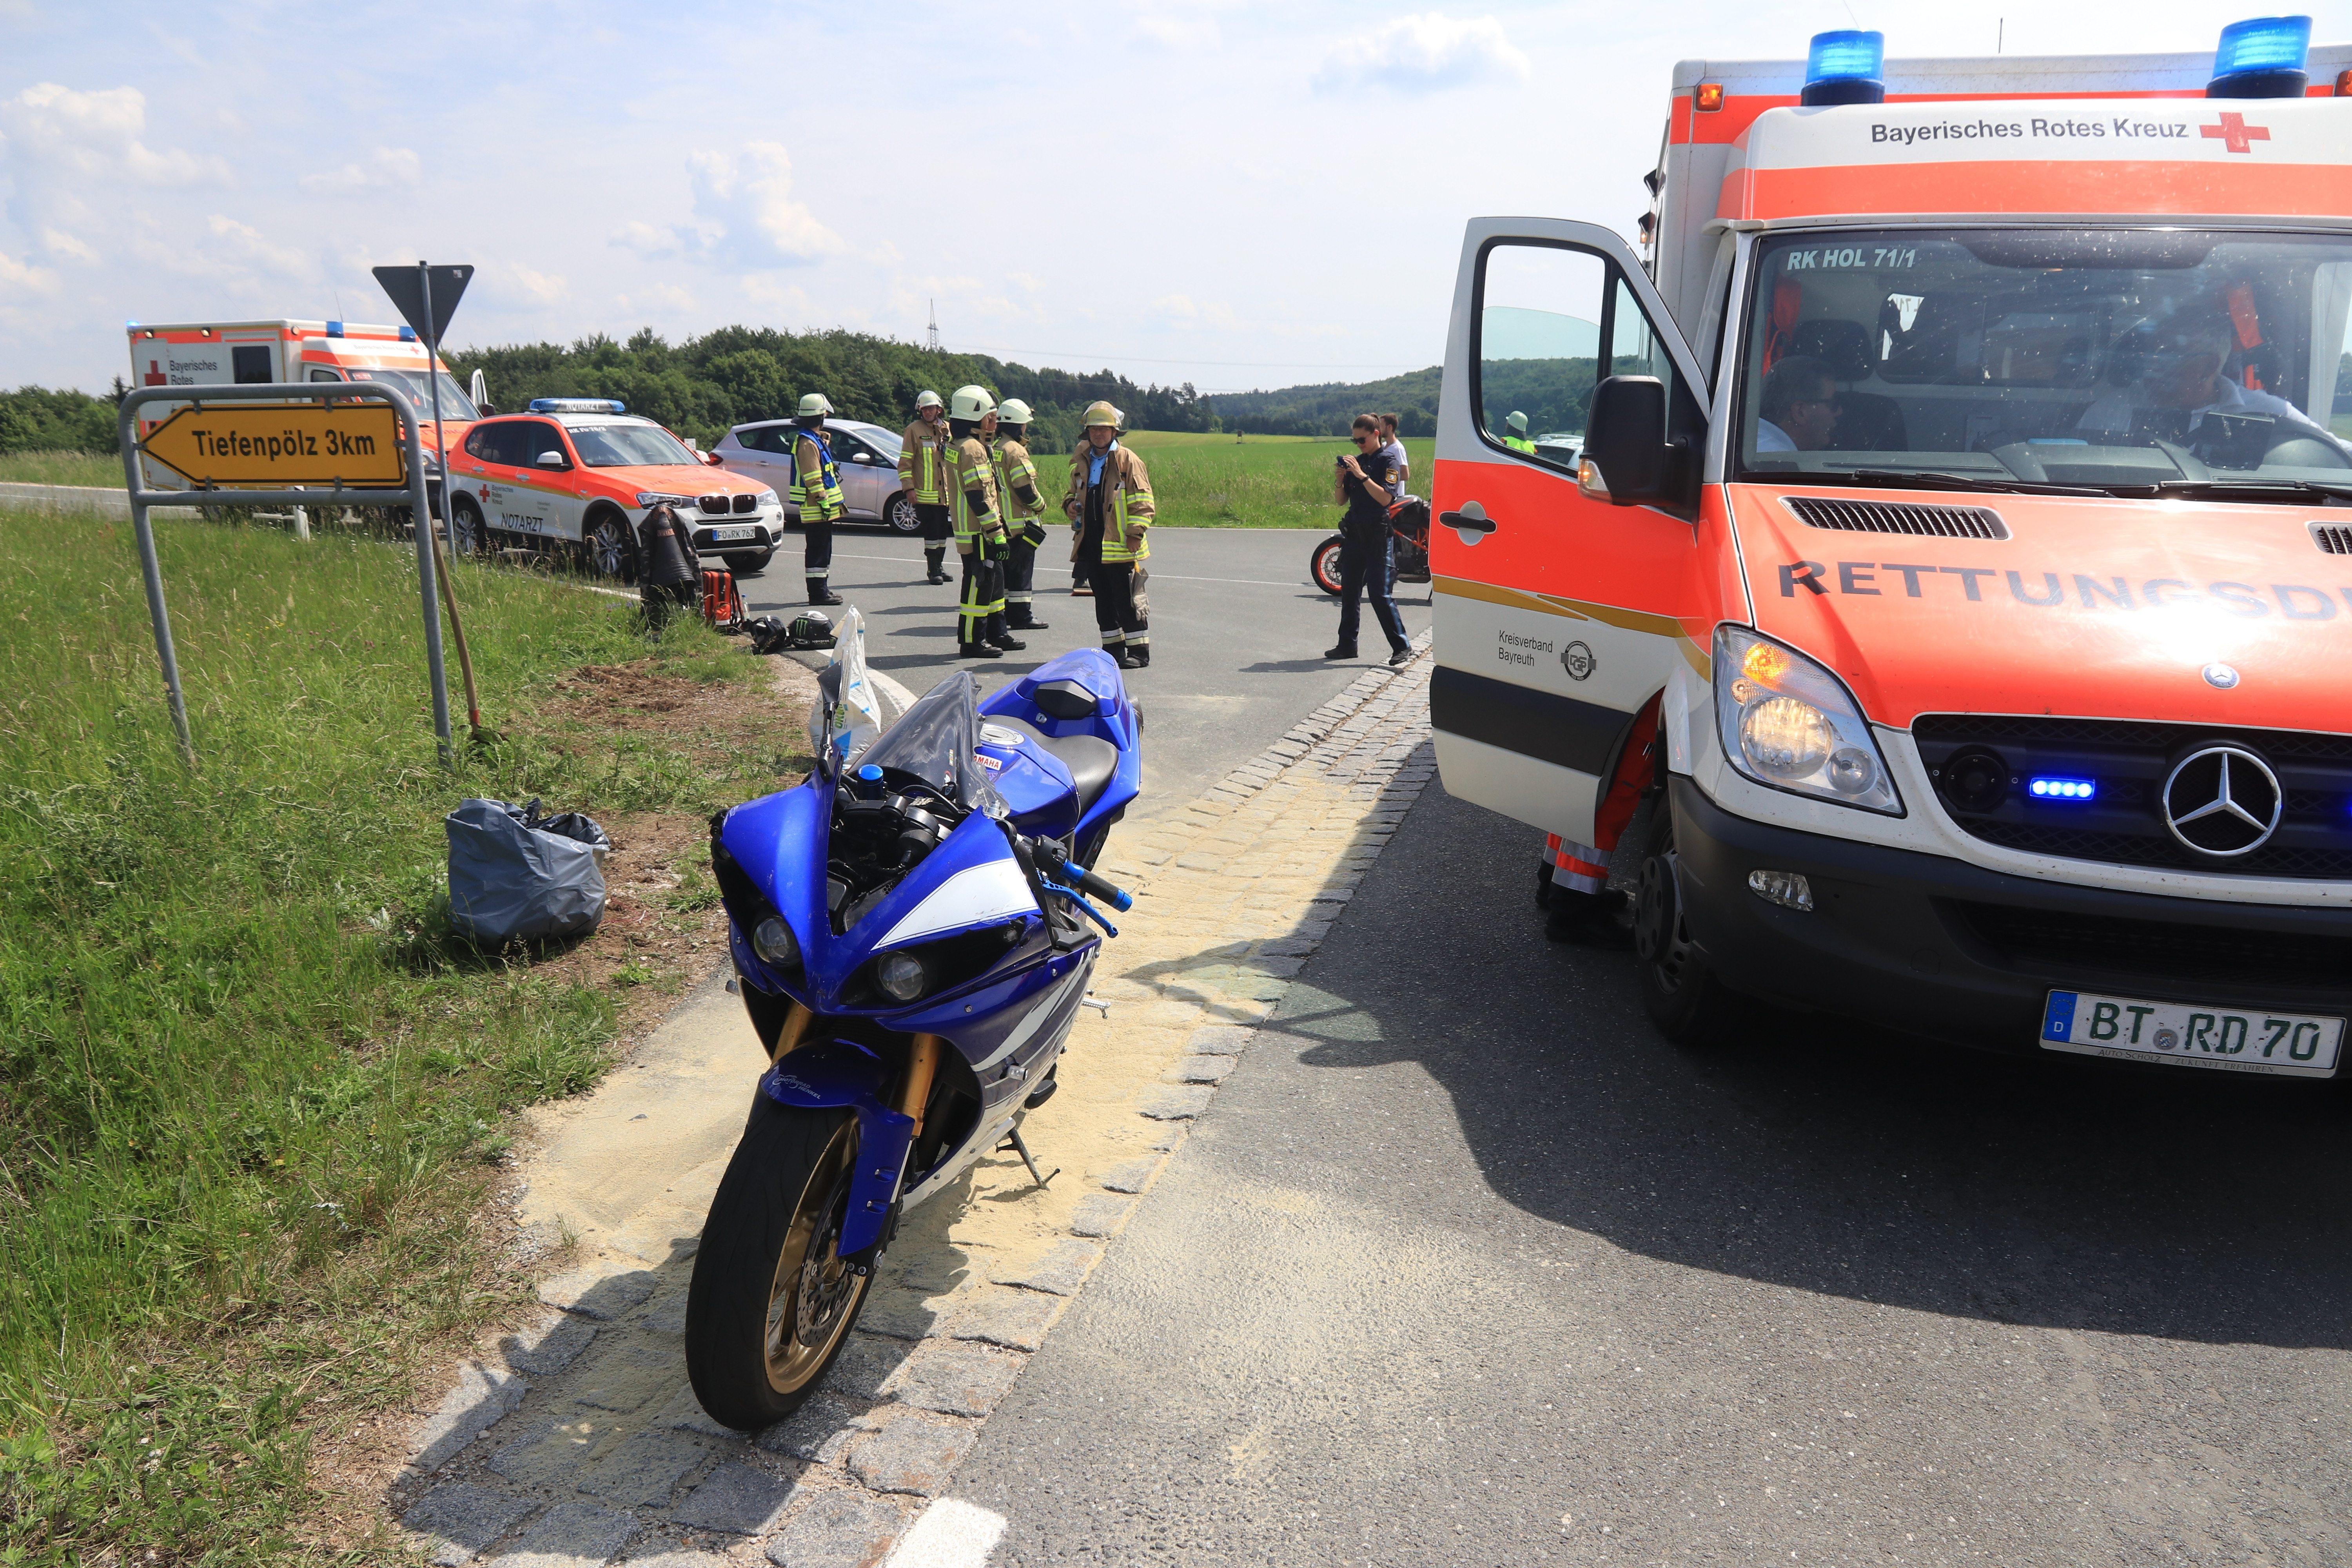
(938, 742)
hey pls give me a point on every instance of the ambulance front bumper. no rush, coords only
(738, 531)
(1934, 946)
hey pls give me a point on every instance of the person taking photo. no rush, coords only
(1371, 483)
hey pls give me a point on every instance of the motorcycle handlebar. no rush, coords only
(1051, 857)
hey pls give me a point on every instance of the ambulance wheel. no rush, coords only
(468, 535)
(611, 551)
(900, 514)
(1324, 565)
(750, 563)
(1686, 1001)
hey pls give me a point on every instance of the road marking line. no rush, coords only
(952, 1533)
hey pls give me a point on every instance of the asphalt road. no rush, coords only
(1465, 1267)
(1237, 637)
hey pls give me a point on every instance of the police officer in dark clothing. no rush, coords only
(1372, 482)
(671, 576)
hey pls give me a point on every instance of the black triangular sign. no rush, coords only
(406, 287)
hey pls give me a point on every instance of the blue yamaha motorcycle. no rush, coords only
(913, 939)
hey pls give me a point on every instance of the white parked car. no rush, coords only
(866, 455)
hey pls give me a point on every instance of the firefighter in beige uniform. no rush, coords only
(1024, 514)
(1110, 504)
(978, 517)
(923, 476)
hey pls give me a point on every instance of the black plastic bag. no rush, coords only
(516, 874)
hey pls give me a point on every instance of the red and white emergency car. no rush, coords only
(583, 472)
(1957, 557)
(213, 353)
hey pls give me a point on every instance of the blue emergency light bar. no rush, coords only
(408, 334)
(2264, 57)
(1848, 65)
(577, 406)
(334, 329)
(2051, 788)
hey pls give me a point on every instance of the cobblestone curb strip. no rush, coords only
(578, 1442)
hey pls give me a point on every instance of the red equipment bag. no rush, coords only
(722, 602)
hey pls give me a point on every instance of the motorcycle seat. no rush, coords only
(1092, 760)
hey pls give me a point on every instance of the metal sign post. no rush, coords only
(325, 446)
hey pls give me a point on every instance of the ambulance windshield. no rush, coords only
(2112, 359)
(455, 405)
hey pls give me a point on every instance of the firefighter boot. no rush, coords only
(996, 637)
(934, 572)
(821, 594)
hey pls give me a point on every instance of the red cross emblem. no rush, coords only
(2235, 132)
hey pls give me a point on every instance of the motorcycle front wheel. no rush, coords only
(1323, 566)
(771, 1303)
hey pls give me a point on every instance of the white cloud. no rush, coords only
(744, 213)
(1426, 53)
(18, 279)
(391, 168)
(55, 131)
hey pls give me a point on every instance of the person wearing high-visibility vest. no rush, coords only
(816, 495)
(923, 475)
(1110, 503)
(1024, 514)
(979, 515)
(1518, 439)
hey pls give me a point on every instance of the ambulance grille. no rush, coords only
(2336, 538)
(716, 505)
(1897, 517)
(747, 503)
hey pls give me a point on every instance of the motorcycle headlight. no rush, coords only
(774, 940)
(901, 975)
(1788, 722)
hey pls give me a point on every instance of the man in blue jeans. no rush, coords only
(1371, 482)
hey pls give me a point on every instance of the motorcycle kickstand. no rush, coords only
(1021, 1146)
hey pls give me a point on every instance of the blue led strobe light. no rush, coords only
(2048, 788)
(2264, 57)
(1845, 66)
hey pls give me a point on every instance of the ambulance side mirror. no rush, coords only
(552, 460)
(1624, 457)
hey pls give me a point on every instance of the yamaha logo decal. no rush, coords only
(2222, 801)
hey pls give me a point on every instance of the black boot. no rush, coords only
(1345, 650)
(1121, 656)
(1588, 920)
(931, 559)
(995, 636)
(1018, 618)
(1138, 655)
(977, 651)
(821, 594)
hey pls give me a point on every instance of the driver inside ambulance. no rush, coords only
(2182, 382)
(1800, 407)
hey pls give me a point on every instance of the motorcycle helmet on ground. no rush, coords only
(809, 628)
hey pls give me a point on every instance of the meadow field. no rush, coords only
(1263, 481)
(252, 1090)
(90, 469)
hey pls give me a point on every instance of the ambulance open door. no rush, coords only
(1559, 614)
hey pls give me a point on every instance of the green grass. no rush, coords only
(249, 1088)
(1263, 481)
(61, 469)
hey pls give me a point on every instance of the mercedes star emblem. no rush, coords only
(2222, 801)
(2220, 677)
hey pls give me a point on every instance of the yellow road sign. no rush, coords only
(270, 447)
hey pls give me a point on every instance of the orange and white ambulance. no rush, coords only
(212, 353)
(1957, 558)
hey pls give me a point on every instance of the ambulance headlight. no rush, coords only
(766, 499)
(1788, 722)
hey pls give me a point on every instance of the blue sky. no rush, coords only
(1232, 195)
